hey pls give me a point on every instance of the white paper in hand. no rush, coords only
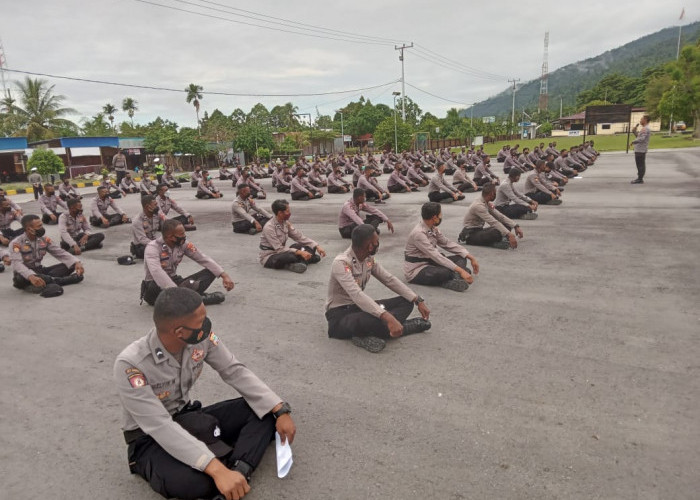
(284, 456)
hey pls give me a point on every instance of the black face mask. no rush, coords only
(40, 232)
(156, 210)
(438, 222)
(181, 240)
(198, 334)
(374, 250)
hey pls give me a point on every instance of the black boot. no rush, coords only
(68, 280)
(213, 298)
(415, 325)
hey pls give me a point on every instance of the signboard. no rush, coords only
(478, 140)
(614, 113)
(575, 133)
(347, 138)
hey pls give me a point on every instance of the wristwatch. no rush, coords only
(283, 410)
(419, 299)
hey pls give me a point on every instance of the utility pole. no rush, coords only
(512, 114)
(3, 67)
(342, 128)
(403, 79)
(678, 54)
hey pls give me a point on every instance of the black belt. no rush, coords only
(134, 434)
(415, 260)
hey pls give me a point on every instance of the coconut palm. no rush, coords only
(109, 110)
(130, 106)
(40, 114)
(194, 94)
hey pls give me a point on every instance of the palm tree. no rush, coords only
(40, 113)
(194, 94)
(130, 106)
(109, 110)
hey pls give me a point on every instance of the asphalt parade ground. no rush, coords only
(569, 369)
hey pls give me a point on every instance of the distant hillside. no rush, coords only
(629, 60)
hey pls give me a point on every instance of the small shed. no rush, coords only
(12, 165)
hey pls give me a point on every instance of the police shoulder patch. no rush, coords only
(136, 378)
(213, 338)
(191, 247)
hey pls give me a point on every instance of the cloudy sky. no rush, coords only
(172, 43)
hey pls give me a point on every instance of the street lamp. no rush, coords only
(342, 129)
(311, 130)
(396, 134)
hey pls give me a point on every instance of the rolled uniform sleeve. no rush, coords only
(203, 260)
(256, 393)
(148, 412)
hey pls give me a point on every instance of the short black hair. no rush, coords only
(430, 210)
(161, 186)
(27, 219)
(488, 188)
(72, 202)
(515, 172)
(357, 192)
(145, 200)
(241, 186)
(361, 234)
(169, 226)
(175, 302)
(279, 206)
(101, 188)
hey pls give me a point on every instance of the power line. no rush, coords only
(257, 25)
(456, 63)
(166, 89)
(287, 22)
(437, 96)
(453, 68)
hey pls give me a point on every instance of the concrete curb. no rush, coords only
(29, 190)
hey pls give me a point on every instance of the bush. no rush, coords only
(351, 151)
(263, 154)
(45, 161)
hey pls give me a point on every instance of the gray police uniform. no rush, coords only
(154, 387)
(98, 209)
(166, 204)
(350, 312)
(245, 213)
(26, 257)
(143, 230)
(424, 264)
(273, 245)
(49, 206)
(160, 264)
(73, 229)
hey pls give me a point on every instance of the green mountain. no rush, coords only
(629, 60)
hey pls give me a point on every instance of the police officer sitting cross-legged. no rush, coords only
(352, 314)
(75, 230)
(145, 226)
(424, 264)
(182, 449)
(28, 251)
(164, 254)
(275, 254)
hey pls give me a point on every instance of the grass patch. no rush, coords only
(602, 142)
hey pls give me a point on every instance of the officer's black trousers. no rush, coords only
(439, 196)
(45, 273)
(350, 321)
(434, 275)
(137, 249)
(278, 261)
(641, 161)
(481, 237)
(94, 241)
(113, 219)
(540, 197)
(120, 175)
(198, 282)
(281, 188)
(346, 231)
(514, 210)
(465, 187)
(336, 189)
(243, 226)
(397, 188)
(11, 234)
(46, 218)
(240, 428)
